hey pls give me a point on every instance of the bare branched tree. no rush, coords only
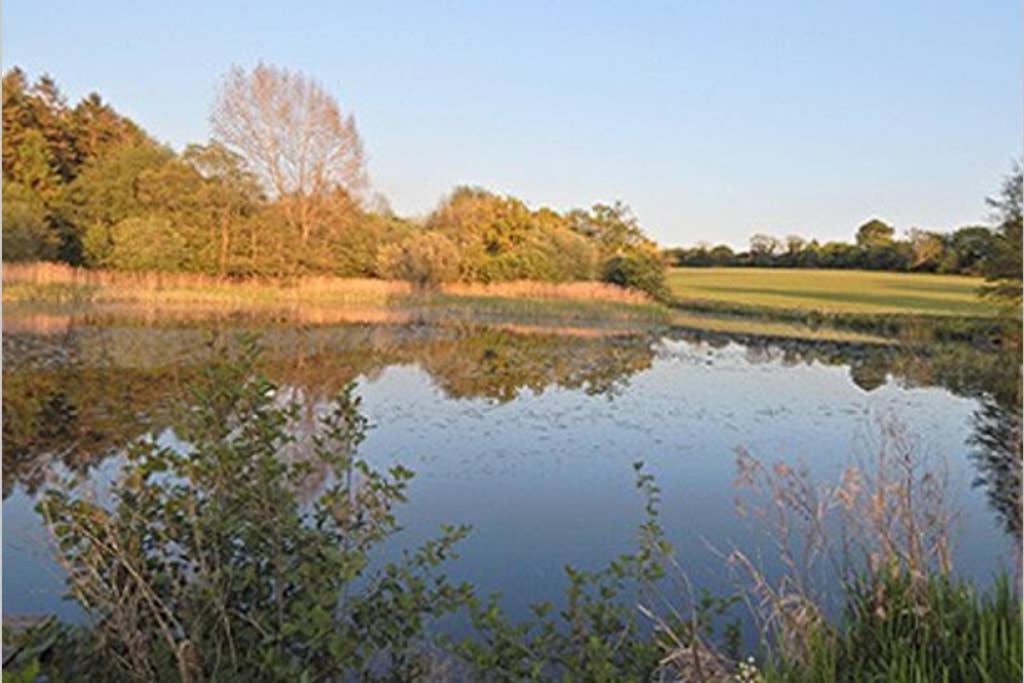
(293, 136)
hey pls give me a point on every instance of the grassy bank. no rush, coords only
(833, 291)
(909, 306)
(843, 306)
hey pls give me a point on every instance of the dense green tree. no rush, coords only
(46, 145)
(875, 234)
(105, 193)
(641, 269)
(722, 255)
(425, 258)
(763, 248)
(629, 258)
(500, 238)
(356, 252)
(967, 249)
(148, 243)
(1003, 268)
(795, 245)
(97, 130)
(35, 110)
(27, 233)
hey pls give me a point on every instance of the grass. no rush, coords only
(943, 630)
(818, 305)
(832, 291)
(327, 298)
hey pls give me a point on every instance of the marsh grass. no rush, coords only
(883, 533)
(20, 279)
(59, 282)
(941, 630)
(322, 300)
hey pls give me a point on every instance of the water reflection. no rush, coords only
(77, 390)
(78, 396)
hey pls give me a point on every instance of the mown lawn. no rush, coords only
(833, 291)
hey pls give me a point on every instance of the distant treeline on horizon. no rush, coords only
(965, 251)
(280, 190)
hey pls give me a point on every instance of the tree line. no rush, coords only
(280, 190)
(992, 251)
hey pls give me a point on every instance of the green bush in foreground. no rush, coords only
(247, 556)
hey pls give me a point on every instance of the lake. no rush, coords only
(527, 433)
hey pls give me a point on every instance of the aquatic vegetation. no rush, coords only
(212, 563)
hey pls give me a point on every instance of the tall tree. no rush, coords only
(230, 191)
(293, 137)
(105, 193)
(968, 248)
(613, 227)
(874, 234)
(926, 248)
(763, 247)
(98, 130)
(1004, 267)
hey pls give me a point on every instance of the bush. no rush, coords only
(425, 259)
(147, 243)
(248, 554)
(27, 235)
(638, 269)
(569, 256)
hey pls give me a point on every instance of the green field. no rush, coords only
(832, 291)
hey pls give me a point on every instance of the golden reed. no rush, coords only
(145, 284)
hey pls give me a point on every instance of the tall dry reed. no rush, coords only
(888, 515)
(108, 285)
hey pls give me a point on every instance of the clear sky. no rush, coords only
(712, 119)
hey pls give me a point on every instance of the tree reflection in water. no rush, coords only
(78, 394)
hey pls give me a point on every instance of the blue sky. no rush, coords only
(712, 119)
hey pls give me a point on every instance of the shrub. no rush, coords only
(27, 235)
(147, 243)
(246, 555)
(601, 632)
(424, 258)
(638, 269)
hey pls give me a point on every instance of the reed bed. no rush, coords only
(533, 289)
(315, 300)
(24, 281)
(107, 285)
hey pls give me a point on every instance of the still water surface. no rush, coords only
(529, 435)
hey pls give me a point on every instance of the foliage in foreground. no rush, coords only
(250, 555)
(899, 631)
(247, 556)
